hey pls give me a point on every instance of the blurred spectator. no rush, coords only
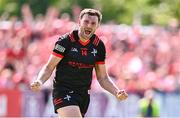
(149, 106)
(138, 57)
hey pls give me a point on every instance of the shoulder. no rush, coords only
(70, 36)
(64, 37)
(97, 41)
(100, 42)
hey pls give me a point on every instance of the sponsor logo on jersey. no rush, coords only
(80, 65)
(59, 48)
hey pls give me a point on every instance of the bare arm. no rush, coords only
(107, 84)
(48, 68)
(45, 72)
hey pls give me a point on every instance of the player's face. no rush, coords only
(88, 25)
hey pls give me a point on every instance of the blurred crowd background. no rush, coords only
(142, 39)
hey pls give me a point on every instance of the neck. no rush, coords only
(84, 39)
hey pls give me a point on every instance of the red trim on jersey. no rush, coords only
(71, 36)
(96, 41)
(100, 62)
(84, 43)
(57, 101)
(57, 55)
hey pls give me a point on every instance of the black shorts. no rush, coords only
(67, 97)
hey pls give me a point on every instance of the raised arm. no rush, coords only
(107, 84)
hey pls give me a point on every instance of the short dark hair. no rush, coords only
(92, 12)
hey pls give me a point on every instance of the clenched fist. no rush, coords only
(122, 95)
(36, 85)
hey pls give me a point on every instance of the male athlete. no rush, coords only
(74, 56)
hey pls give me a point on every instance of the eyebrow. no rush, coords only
(91, 14)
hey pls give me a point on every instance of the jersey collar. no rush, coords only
(80, 41)
(84, 43)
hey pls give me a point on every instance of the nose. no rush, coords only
(89, 25)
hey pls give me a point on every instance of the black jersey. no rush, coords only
(78, 60)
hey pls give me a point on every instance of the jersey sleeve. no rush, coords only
(61, 47)
(101, 53)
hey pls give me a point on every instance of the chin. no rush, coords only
(87, 36)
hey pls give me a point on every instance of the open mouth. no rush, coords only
(87, 32)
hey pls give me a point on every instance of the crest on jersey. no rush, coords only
(94, 52)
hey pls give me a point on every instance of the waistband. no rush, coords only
(76, 90)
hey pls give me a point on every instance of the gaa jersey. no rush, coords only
(74, 71)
